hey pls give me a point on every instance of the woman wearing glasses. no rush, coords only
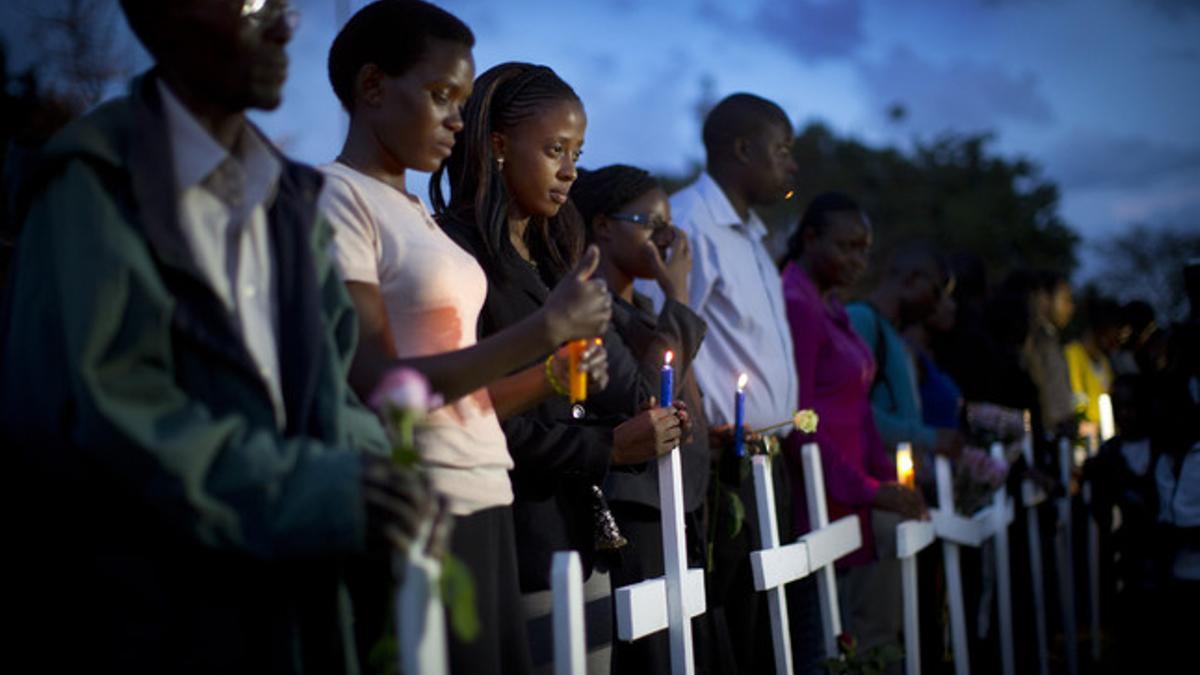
(626, 214)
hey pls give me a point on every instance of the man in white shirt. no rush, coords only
(735, 286)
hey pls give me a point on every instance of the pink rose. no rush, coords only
(404, 389)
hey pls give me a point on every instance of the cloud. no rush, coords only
(959, 96)
(1174, 9)
(811, 29)
(1091, 159)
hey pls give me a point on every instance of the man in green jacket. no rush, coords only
(190, 475)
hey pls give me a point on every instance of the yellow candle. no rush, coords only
(904, 465)
(577, 379)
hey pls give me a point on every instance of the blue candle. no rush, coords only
(666, 383)
(739, 420)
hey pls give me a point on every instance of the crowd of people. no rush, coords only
(193, 321)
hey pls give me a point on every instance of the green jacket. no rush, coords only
(165, 523)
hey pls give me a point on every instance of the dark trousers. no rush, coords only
(484, 542)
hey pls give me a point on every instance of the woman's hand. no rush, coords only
(594, 362)
(903, 500)
(672, 274)
(579, 307)
(721, 436)
(652, 433)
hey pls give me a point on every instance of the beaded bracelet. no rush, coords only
(554, 383)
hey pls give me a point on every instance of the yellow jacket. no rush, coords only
(1089, 379)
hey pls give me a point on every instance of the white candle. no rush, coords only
(1108, 427)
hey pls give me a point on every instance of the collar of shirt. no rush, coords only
(722, 210)
(251, 173)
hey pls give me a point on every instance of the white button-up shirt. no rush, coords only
(737, 289)
(222, 202)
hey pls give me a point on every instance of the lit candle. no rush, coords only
(666, 383)
(576, 378)
(739, 417)
(1108, 427)
(904, 465)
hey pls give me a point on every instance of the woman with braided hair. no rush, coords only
(402, 69)
(508, 180)
(626, 214)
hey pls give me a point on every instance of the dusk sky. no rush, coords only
(1103, 94)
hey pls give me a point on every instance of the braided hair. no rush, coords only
(504, 97)
(603, 191)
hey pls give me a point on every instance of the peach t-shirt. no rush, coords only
(433, 291)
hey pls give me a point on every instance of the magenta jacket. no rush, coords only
(835, 369)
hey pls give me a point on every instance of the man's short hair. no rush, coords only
(392, 34)
(739, 116)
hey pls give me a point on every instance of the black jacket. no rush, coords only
(642, 338)
(556, 459)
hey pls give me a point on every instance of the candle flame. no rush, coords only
(904, 464)
(742, 380)
(790, 194)
(668, 357)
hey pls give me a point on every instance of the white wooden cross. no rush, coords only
(1064, 551)
(775, 565)
(669, 601)
(1031, 497)
(420, 616)
(912, 537)
(570, 636)
(826, 543)
(955, 530)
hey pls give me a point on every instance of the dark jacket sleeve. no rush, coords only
(644, 339)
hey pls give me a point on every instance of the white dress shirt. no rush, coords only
(222, 202)
(737, 289)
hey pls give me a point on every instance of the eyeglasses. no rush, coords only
(266, 12)
(644, 220)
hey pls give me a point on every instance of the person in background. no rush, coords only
(403, 69)
(1088, 362)
(913, 284)
(827, 253)
(509, 178)
(941, 398)
(1137, 325)
(734, 286)
(193, 472)
(626, 214)
(1051, 307)
(1122, 477)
